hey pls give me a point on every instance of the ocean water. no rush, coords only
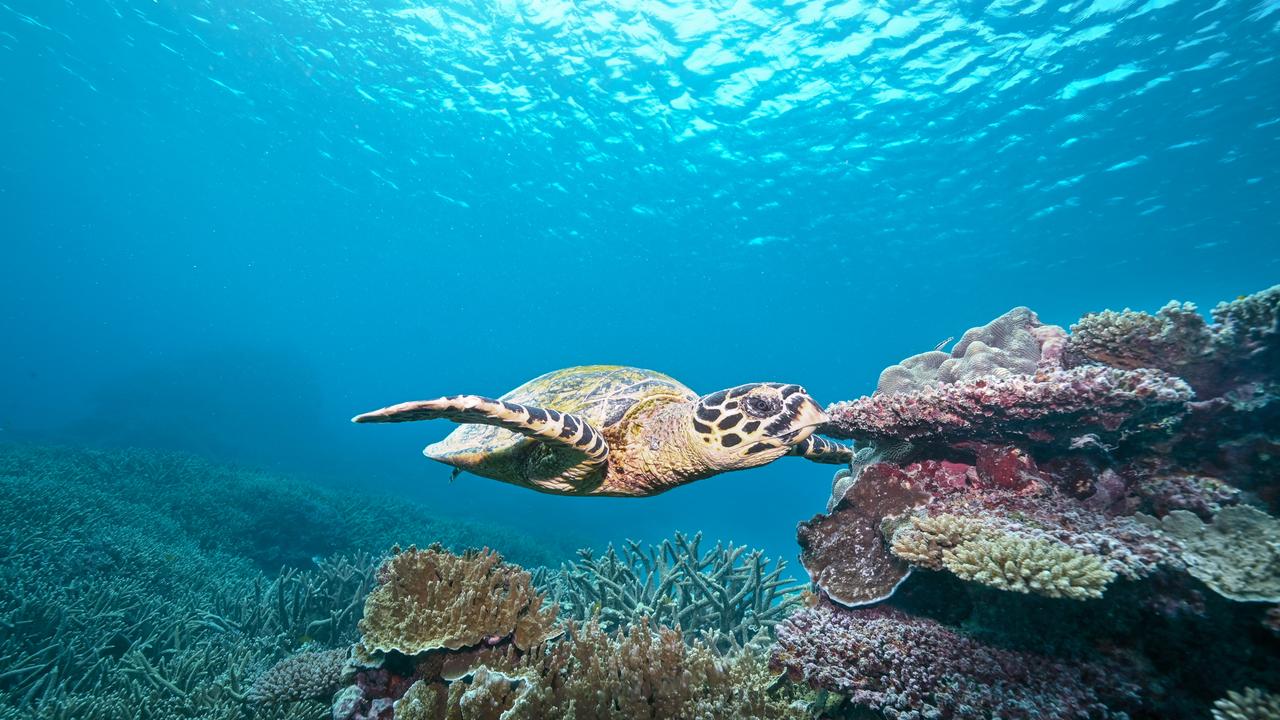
(225, 228)
(230, 227)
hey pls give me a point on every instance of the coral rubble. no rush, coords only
(1129, 465)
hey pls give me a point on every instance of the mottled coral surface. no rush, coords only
(888, 661)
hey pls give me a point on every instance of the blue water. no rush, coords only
(228, 227)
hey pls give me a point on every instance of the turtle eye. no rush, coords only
(761, 406)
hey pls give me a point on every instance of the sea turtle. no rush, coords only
(620, 431)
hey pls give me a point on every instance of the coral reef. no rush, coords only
(725, 596)
(141, 592)
(1252, 704)
(1121, 470)
(910, 667)
(482, 669)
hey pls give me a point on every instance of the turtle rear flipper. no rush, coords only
(822, 450)
(542, 424)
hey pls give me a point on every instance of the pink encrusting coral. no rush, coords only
(1041, 406)
(911, 667)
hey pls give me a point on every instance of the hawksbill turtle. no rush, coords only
(619, 431)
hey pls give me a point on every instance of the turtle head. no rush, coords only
(755, 424)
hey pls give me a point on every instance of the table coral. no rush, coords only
(1237, 554)
(909, 667)
(1042, 406)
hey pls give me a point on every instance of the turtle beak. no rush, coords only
(810, 414)
(805, 417)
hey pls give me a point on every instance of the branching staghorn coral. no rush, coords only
(1005, 560)
(726, 595)
(115, 606)
(1252, 704)
(1023, 565)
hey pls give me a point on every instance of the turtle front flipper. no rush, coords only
(822, 450)
(543, 424)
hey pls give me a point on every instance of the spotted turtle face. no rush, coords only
(754, 424)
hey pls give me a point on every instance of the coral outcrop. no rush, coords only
(435, 600)
(1129, 467)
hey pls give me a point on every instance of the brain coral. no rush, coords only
(432, 599)
(1012, 344)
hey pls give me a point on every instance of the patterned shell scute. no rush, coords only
(600, 393)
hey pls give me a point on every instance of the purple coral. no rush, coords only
(910, 667)
(1020, 440)
(844, 552)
